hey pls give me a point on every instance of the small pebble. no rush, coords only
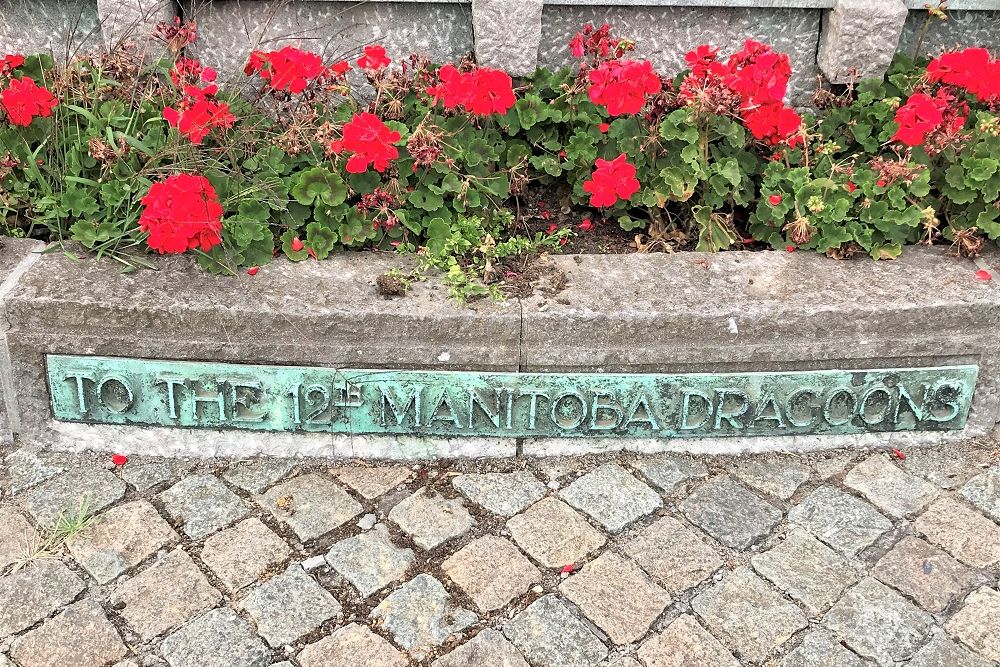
(537, 589)
(554, 484)
(313, 563)
(366, 522)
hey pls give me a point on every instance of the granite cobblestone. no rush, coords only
(837, 559)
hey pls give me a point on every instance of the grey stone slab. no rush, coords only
(508, 34)
(487, 649)
(164, 595)
(597, 590)
(878, 623)
(807, 570)
(241, 555)
(977, 623)
(842, 521)
(430, 519)
(59, 28)
(673, 554)
(684, 643)
(747, 615)
(670, 471)
(120, 539)
(612, 496)
(220, 638)
(924, 573)
(948, 467)
(965, 534)
(202, 505)
(967, 28)
(505, 494)
(730, 513)
(312, 505)
(779, 478)
(983, 491)
(289, 606)
(133, 21)
(859, 38)
(421, 615)
(491, 571)
(18, 537)
(353, 645)
(370, 561)
(145, 476)
(79, 492)
(80, 636)
(555, 535)
(32, 593)
(256, 476)
(893, 491)
(26, 469)
(229, 29)
(943, 652)
(373, 482)
(549, 633)
(819, 648)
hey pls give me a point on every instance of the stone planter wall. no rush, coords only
(839, 38)
(683, 313)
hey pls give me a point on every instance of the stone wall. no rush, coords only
(839, 38)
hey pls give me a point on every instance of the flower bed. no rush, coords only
(305, 158)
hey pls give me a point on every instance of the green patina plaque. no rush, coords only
(109, 390)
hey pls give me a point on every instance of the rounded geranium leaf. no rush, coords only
(320, 184)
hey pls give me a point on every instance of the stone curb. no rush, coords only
(687, 312)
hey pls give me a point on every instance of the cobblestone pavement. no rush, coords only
(839, 559)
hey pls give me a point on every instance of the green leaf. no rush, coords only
(322, 184)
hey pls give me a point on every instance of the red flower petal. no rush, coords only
(568, 568)
(296, 244)
(899, 455)
(119, 459)
(789, 248)
(774, 200)
(252, 271)
(984, 275)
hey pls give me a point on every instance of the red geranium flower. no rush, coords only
(611, 181)
(773, 123)
(370, 140)
(758, 74)
(24, 101)
(9, 63)
(196, 120)
(921, 115)
(374, 58)
(288, 69)
(972, 69)
(181, 213)
(482, 91)
(621, 86)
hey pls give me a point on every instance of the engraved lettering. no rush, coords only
(793, 402)
(81, 394)
(115, 394)
(829, 405)
(561, 409)
(400, 411)
(731, 417)
(768, 402)
(650, 418)
(610, 409)
(247, 398)
(475, 399)
(948, 394)
(533, 405)
(685, 421)
(867, 401)
(444, 400)
(171, 383)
